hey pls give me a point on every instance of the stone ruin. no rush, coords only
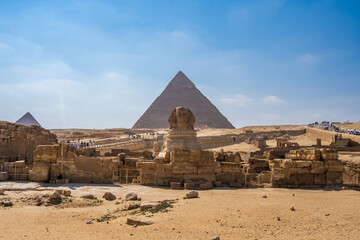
(181, 165)
(18, 142)
(32, 153)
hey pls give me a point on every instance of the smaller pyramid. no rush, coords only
(28, 120)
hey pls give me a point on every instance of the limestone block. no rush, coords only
(46, 153)
(305, 179)
(305, 154)
(226, 177)
(208, 167)
(206, 186)
(4, 176)
(178, 177)
(20, 164)
(23, 177)
(180, 156)
(185, 167)
(148, 166)
(230, 167)
(207, 156)
(288, 164)
(165, 182)
(334, 166)
(329, 154)
(265, 177)
(319, 179)
(199, 178)
(217, 184)
(333, 178)
(40, 172)
(175, 185)
(192, 194)
(317, 167)
(302, 164)
(235, 184)
(189, 186)
(252, 176)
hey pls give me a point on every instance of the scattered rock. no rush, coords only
(192, 194)
(278, 218)
(216, 238)
(55, 197)
(109, 196)
(63, 192)
(131, 196)
(7, 203)
(133, 206)
(264, 196)
(292, 209)
(149, 204)
(2, 191)
(88, 196)
(328, 214)
(89, 222)
(138, 221)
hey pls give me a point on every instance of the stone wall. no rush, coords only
(351, 173)
(302, 168)
(18, 142)
(61, 162)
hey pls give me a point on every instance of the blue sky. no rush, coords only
(100, 64)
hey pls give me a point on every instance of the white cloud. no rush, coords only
(238, 99)
(272, 99)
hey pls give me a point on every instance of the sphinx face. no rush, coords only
(182, 116)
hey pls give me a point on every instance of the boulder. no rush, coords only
(131, 196)
(149, 204)
(88, 196)
(192, 194)
(138, 221)
(55, 197)
(109, 196)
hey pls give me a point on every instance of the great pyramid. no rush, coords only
(28, 120)
(182, 92)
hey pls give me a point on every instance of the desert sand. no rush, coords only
(224, 212)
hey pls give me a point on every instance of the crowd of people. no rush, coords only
(81, 145)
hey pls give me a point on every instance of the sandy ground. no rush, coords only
(227, 213)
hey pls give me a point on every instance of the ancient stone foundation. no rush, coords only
(303, 168)
(18, 142)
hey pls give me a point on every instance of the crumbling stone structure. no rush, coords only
(61, 163)
(18, 142)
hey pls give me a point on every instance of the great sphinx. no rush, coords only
(182, 134)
